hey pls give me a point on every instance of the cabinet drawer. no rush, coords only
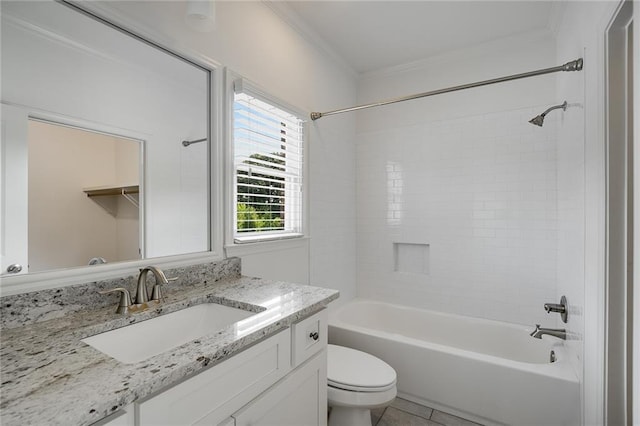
(308, 337)
(217, 392)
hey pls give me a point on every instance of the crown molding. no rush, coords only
(295, 21)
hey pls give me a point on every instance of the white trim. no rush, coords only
(60, 278)
(78, 123)
(617, 347)
(229, 205)
(242, 85)
(595, 242)
(36, 281)
(216, 163)
(263, 237)
(298, 24)
(239, 250)
(635, 415)
(593, 388)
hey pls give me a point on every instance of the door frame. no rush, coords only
(620, 229)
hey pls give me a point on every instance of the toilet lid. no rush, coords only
(351, 369)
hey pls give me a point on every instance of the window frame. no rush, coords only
(235, 83)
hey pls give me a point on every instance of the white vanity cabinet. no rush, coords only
(209, 397)
(281, 380)
(300, 399)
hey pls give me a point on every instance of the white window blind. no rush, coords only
(268, 163)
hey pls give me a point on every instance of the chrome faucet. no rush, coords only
(142, 296)
(560, 333)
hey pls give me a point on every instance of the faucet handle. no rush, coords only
(156, 293)
(560, 308)
(125, 299)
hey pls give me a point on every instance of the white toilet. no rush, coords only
(357, 382)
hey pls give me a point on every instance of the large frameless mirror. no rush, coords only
(94, 168)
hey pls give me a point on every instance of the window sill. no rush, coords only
(266, 237)
(261, 245)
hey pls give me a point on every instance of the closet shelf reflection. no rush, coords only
(129, 192)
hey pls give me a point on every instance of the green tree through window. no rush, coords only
(261, 197)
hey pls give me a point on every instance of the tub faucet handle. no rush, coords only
(560, 308)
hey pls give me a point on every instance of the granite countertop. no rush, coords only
(50, 377)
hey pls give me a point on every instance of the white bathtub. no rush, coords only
(487, 371)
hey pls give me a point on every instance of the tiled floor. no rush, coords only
(406, 413)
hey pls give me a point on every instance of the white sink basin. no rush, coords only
(145, 339)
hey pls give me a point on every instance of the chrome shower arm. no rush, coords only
(563, 106)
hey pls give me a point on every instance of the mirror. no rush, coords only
(94, 168)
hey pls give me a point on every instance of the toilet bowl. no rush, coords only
(357, 382)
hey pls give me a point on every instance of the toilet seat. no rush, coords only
(353, 370)
(352, 388)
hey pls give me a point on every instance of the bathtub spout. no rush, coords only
(560, 333)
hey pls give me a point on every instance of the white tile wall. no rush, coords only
(332, 192)
(481, 192)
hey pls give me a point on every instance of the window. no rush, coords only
(268, 165)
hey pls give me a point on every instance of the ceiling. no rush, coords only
(373, 35)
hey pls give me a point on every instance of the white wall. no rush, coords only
(253, 41)
(466, 174)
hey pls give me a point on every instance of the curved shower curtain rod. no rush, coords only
(575, 65)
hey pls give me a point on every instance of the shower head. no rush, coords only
(539, 119)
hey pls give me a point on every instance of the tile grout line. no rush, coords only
(412, 414)
(381, 416)
(430, 418)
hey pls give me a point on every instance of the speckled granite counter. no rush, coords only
(50, 377)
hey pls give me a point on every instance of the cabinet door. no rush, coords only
(300, 399)
(212, 396)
